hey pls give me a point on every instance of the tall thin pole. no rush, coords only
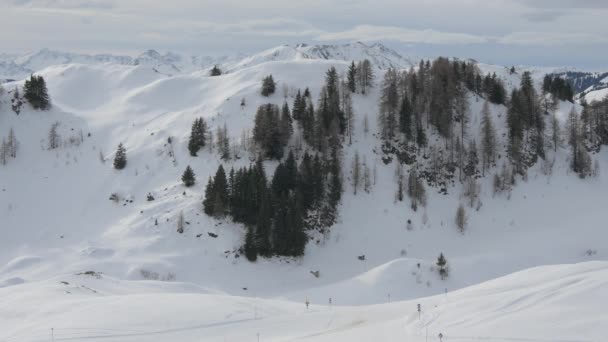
(52, 334)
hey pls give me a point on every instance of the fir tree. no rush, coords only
(216, 71)
(405, 118)
(251, 251)
(285, 123)
(268, 86)
(36, 93)
(220, 187)
(209, 197)
(223, 142)
(442, 264)
(472, 160)
(297, 237)
(581, 161)
(198, 136)
(264, 225)
(356, 172)
(488, 138)
(120, 159)
(352, 77)
(267, 131)
(188, 178)
(555, 132)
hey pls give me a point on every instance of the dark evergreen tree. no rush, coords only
(286, 124)
(120, 159)
(307, 93)
(188, 178)
(472, 160)
(216, 71)
(291, 171)
(305, 183)
(352, 77)
(299, 106)
(198, 136)
(297, 237)
(217, 195)
(442, 264)
(264, 225)
(251, 251)
(405, 118)
(268, 86)
(36, 93)
(280, 226)
(309, 124)
(267, 131)
(209, 199)
(420, 136)
(220, 187)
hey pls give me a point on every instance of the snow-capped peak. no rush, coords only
(381, 56)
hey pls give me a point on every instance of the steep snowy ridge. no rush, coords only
(57, 222)
(378, 54)
(14, 66)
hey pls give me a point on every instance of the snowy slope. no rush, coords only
(596, 95)
(556, 303)
(142, 109)
(57, 221)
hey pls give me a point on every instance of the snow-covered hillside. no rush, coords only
(15, 66)
(57, 221)
(550, 303)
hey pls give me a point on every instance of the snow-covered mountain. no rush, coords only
(93, 269)
(14, 66)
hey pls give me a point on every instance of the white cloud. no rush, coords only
(552, 39)
(404, 35)
(65, 4)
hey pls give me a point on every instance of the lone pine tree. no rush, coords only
(120, 159)
(188, 178)
(216, 71)
(442, 264)
(198, 136)
(268, 86)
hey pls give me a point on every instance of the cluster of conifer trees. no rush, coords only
(276, 213)
(558, 87)
(594, 122)
(34, 92)
(302, 194)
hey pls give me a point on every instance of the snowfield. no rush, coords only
(91, 269)
(550, 303)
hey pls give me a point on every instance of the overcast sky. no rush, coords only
(531, 32)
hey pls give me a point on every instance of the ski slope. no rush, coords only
(57, 221)
(550, 303)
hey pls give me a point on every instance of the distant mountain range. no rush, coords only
(18, 66)
(15, 66)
